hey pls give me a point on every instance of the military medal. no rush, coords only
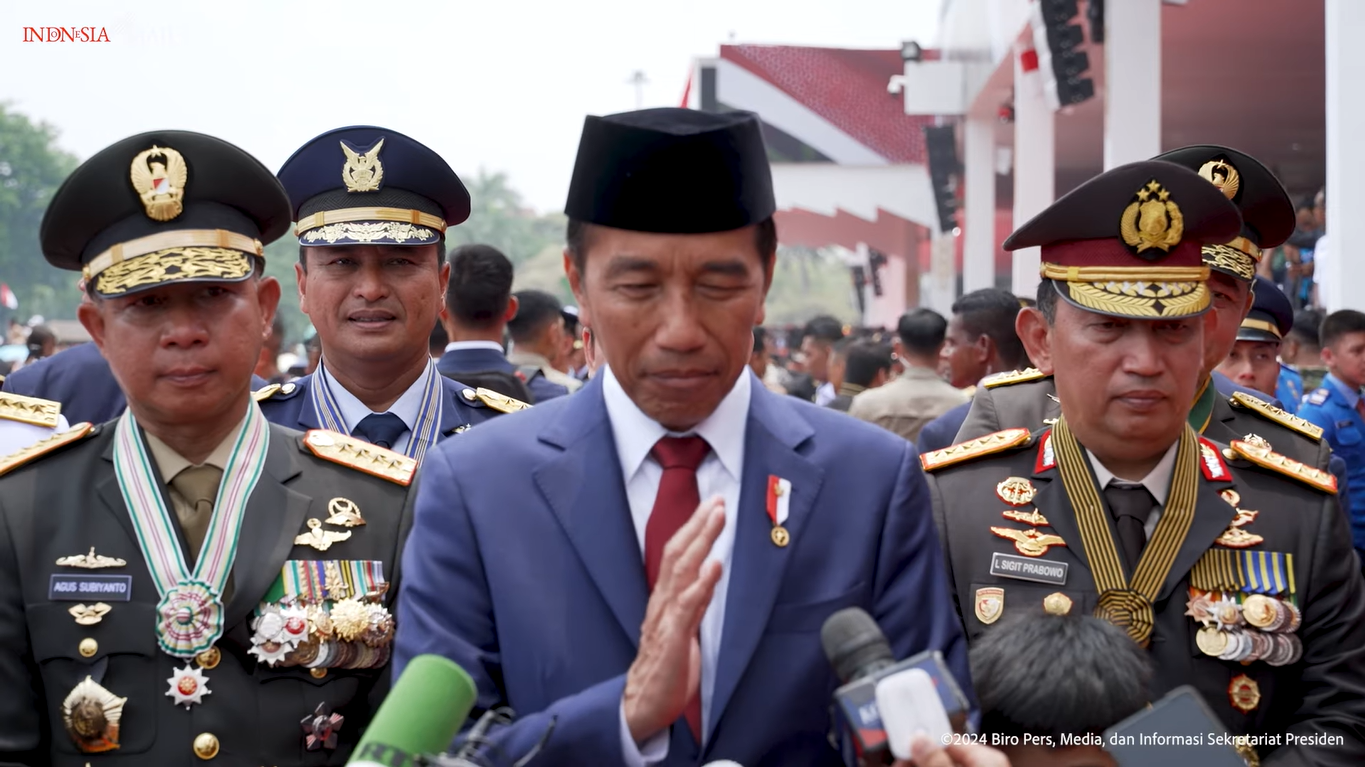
(779, 505)
(1231, 496)
(1030, 543)
(351, 619)
(320, 728)
(91, 715)
(188, 686)
(1244, 693)
(1016, 491)
(190, 613)
(1211, 641)
(428, 415)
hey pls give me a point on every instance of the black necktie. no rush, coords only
(1130, 505)
(382, 429)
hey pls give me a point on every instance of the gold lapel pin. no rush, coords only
(344, 512)
(91, 561)
(89, 615)
(318, 538)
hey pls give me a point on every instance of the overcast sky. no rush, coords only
(495, 84)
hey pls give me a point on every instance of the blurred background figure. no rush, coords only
(1050, 675)
(41, 343)
(268, 366)
(918, 395)
(478, 306)
(817, 343)
(571, 360)
(1254, 359)
(537, 332)
(857, 365)
(1301, 355)
(980, 341)
(761, 362)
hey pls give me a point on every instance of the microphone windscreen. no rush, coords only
(421, 715)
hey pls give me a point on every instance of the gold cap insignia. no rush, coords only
(1223, 175)
(360, 455)
(31, 410)
(990, 604)
(91, 715)
(159, 175)
(362, 172)
(1152, 220)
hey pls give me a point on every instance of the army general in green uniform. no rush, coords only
(1220, 410)
(1229, 563)
(189, 582)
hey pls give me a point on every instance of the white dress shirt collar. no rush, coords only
(408, 406)
(636, 433)
(455, 346)
(1157, 481)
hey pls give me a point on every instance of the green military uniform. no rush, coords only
(1230, 563)
(156, 612)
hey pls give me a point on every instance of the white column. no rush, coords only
(978, 204)
(1343, 272)
(942, 275)
(1132, 89)
(1034, 168)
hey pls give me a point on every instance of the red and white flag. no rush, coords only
(7, 297)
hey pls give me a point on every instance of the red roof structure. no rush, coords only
(845, 86)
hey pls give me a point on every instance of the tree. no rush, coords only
(498, 217)
(31, 170)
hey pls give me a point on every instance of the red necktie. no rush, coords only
(677, 500)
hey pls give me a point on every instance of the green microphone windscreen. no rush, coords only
(421, 715)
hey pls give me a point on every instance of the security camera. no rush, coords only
(896, 85)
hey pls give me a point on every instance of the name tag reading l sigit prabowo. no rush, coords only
(82, 588)
(1028, 569)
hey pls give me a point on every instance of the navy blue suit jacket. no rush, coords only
(295, 408)
(534, 584)
(81, 380)
(453, 363)
(942, 431)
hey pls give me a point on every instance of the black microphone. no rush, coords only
(861, 657)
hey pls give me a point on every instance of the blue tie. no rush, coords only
(382, 429)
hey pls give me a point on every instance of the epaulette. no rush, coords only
(44, 447)
(1269, 459)
(1318, 397)
(276, 391)
(360, 455)
(1268, 411)
(974, 448)
(39, 412)
(499, 402)
(1012, 377)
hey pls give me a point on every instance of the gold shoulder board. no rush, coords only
(974, 448)
(1270, 412)
(265, 392)
(500, 402)
(1012, 377)
(39, 412)
(43, 447)
(360, 455)
(1269, 459)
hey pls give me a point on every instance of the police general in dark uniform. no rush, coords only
(189, 582)
(1231, 564)
(371, 208)
(1222, 411)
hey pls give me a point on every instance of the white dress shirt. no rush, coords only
(408, 406)
(1157, 482)
(719, 474)
(455, 346)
